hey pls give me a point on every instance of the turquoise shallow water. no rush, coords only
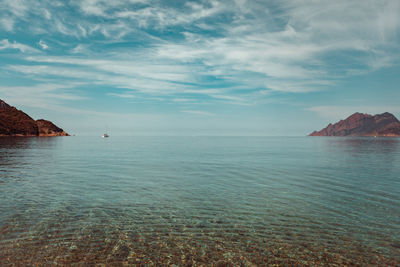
(199, 200)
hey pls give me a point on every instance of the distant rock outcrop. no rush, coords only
(359, 124)
(14, 122)
(47, 128)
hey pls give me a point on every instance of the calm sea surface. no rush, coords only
(199, 200)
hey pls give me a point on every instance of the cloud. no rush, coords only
(47, 14)
(18, 8)
(80, 49)
(5, 44)
(118, 18)
(229, 97)
(183, 100)
(198, 112)
(140, 75)
(43, 45)
(341, 112)
(40, 95)
(143, 80)
(161, 17)
(227, 50)
(293, 58)
(123, 95)
(7, 23)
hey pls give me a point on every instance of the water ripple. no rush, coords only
(203, 200)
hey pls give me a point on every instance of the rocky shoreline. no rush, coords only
(103, 245)
(14, 122)
(358, 124)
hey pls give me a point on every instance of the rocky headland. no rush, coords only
(359, 124)
(14, 122)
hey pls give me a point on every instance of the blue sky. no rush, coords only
(280, 67)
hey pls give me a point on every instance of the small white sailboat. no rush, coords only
(106, 134)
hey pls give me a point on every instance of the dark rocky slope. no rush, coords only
(359, 124)
(14, 122)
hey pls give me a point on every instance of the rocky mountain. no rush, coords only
(14, 122)
(359, 124)
(47, 128)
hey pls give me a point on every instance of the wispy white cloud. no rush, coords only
(183, 100)
(39, 95)
(46, 14)
(229, 97)
(123, 95)
(80, 49)
(5, 44)
(212, 91)
(336, 113)
(18, 8)
(43, 45)
(198, 112)
(7, 23)
(161, 17)
(293, 58)
(122, 16)
(243, 45)
(114, 73)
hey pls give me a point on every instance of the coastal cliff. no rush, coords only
(358, 124)
(47, 128)
(14, 122)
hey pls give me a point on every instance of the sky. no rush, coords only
(212, 67)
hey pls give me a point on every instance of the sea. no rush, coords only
(199, 201)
